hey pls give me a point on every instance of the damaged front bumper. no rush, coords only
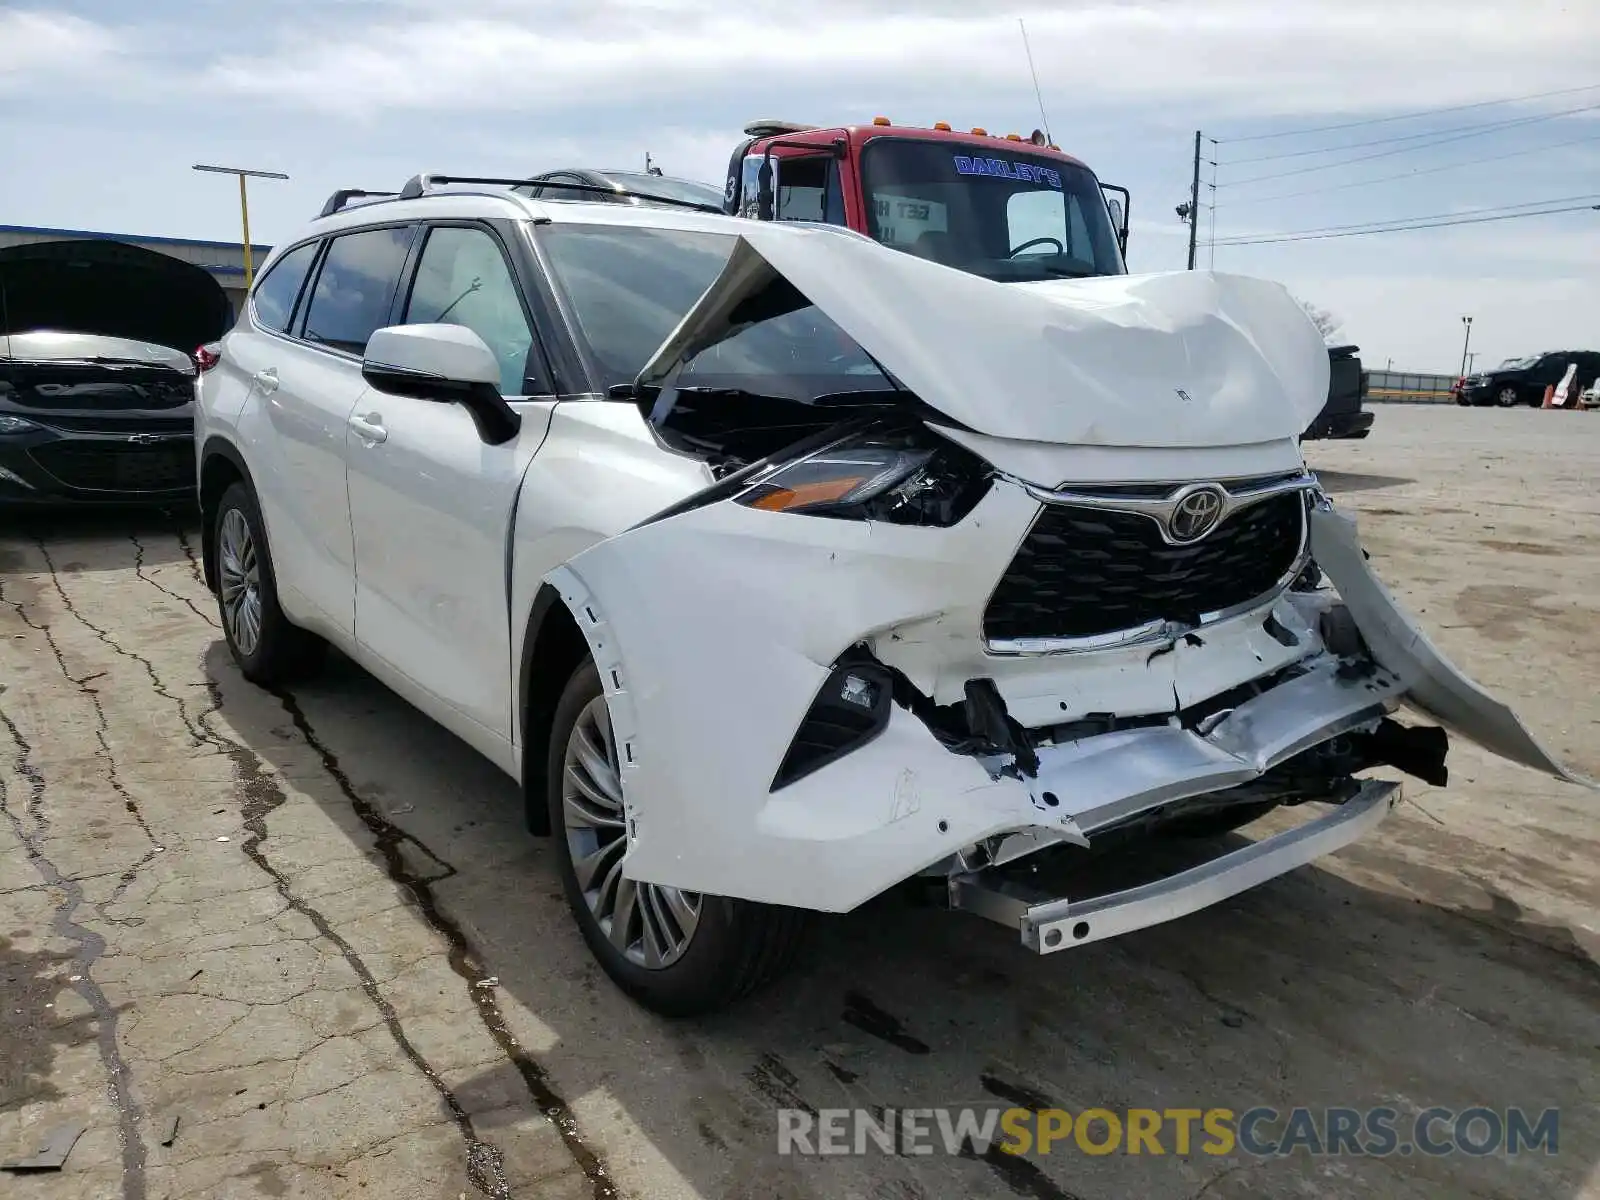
(1050, 923)
(709, 672)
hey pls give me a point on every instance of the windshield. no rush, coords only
(628, 289)
(1015, 216)
(686, 190)
(1516, 364)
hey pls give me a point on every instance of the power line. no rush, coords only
(1408, 149)
(1427, 112)
(1469, 162)
(1482, 127)
(1470, 212)
(1476, 217)
(1408, 228)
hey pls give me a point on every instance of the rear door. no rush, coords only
(431, 504)
(308, 384)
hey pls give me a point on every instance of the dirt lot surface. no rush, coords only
(311, 930)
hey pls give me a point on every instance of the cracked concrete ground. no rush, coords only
(311, 929)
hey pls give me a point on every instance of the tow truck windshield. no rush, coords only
(1004, 215)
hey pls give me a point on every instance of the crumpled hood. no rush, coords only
(1174, 360)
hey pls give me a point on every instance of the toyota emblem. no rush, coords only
(1196, 514)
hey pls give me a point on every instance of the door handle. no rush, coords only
(370, 428)
(266, 380)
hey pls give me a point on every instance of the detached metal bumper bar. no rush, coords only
(1055, 924)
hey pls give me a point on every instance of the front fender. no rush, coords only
(1433, 684)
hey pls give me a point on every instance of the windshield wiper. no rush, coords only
(1063, 272)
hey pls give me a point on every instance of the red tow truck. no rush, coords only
(1008, 208)
(1012, 209)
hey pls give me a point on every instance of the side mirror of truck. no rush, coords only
(1117, 206)
(764, 193)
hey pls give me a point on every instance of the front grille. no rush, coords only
(114, 466)
(113, 423)
(1084, 572)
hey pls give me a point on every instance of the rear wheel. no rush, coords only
(677, 952)
(268, 647)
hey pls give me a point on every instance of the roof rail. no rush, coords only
(420, 185)
(767, 128)
(343, 197)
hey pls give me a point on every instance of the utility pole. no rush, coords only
(1194, 201)
(244, 207)
(1467, 341)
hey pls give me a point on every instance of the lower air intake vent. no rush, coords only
(851, 709)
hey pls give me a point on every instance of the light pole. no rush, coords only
(1467, 341)
(244, 207)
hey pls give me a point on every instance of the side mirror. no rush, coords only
(447, 364)
(1117, 205)
(764, 194)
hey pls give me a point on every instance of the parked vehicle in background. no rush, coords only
(782, 569)
(1345, 414)
(626, 187)
(90, 419)
(1524, 380)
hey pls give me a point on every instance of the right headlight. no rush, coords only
(10, 424)
(909, 478)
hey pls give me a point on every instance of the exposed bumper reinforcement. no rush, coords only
(1047, 925)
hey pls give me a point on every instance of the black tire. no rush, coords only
(1508, 390)
(737, 946)
(283, 652)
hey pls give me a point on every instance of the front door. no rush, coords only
(432, 504)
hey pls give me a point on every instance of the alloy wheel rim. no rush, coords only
(652, 926)
(240, 576)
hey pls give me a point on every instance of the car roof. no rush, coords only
(463, 201)
(496, 202)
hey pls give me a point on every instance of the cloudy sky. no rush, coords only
(105, 104)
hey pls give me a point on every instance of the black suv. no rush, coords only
(1523, 380)
(1343, 416)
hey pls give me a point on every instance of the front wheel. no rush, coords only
(269, 648)
(1507, 397)
(676, 952)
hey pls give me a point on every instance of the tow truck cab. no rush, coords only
(1003, 207)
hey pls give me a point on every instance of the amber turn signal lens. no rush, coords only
(822, 491)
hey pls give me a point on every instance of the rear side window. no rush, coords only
(355, 287)
(276, 293)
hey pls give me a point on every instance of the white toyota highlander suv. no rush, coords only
(781, 567)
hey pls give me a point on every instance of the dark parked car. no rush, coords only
(1344, 415)
(1523, 380)
(548, 186)
(91, 419)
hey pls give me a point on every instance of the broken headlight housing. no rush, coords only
(912, 477)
